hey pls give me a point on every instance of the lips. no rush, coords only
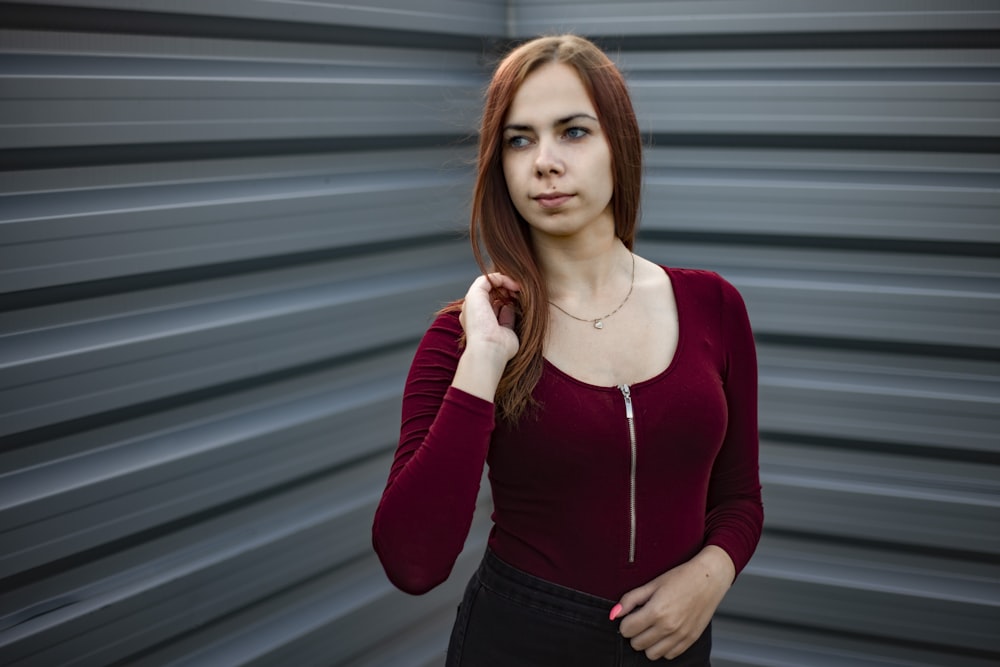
(552, 199)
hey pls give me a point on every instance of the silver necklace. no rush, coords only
(598, 322)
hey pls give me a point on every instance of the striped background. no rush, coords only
(224, 225)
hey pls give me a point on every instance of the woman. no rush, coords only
(614, 400)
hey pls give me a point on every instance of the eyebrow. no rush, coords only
(561, 121)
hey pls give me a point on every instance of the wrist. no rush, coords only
(717, 564)
(486, 351)
(479, 370)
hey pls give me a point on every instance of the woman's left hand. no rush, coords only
(664, 617)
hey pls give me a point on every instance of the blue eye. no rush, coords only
(518, 141)
(577, 132)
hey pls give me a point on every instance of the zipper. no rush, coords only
(630, 418)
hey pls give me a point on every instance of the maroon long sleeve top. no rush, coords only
(583, 495)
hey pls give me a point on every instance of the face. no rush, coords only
(556, 159)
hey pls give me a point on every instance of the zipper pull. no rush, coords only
(627, 393)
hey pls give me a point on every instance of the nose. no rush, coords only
(548, 160)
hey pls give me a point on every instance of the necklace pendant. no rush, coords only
(598, 324)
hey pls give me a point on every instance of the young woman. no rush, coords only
(614, 400)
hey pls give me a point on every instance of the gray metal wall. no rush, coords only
(223, 226)
(838, 162)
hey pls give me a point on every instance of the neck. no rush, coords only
(578, 272)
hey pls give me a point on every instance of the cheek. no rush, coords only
(508, 162)
(514, 187)
(513, 178)
(609, 174)
(606, 158)
(508, 173)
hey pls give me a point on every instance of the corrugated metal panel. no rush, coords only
(219, 243)
(463, 19)
(224, 225)
(863, 93)
(109, 100)
(838, 162)
(742, 17)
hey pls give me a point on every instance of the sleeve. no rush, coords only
(735, 513)
(426, 509)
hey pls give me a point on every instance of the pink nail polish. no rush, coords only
(617, 609)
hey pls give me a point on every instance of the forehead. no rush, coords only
(551, 92)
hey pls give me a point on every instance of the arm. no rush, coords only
(426, 509)
(735, 514)
(668, 614)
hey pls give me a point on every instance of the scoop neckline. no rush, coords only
(647, 381)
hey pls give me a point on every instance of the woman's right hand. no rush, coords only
(488, 316)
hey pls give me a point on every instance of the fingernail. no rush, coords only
(617, 609)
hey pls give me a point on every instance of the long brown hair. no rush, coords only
(496, 226)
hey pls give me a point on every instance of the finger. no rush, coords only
(506, 316)
(500, 281)
(634, 598)
(637, 621)
(661, 650)
(481, 285)
(645, 639)
(673, 648)
(483, 289)
(656, 646)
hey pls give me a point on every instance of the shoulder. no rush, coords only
(704, 285)
(440, 347)
(444, 334)
(446, 320)
(715, 302)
